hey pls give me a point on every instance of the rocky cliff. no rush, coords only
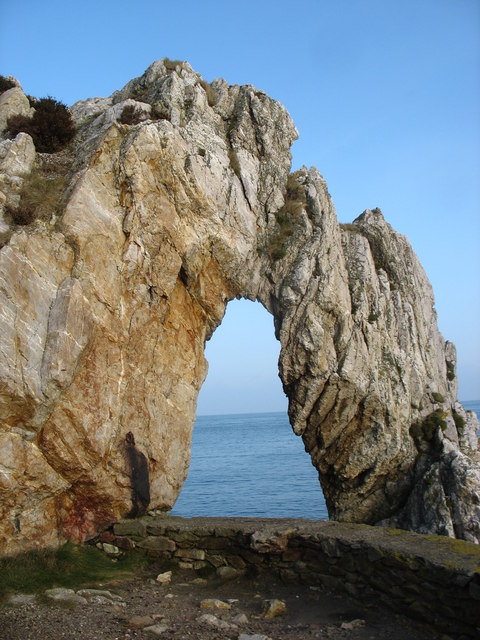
(174, 198)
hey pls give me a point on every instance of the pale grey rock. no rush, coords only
(103, 322)
(468, 432)
(240, 619)
(16, 161)
(228, 573)
(61, 594)
(85, 110)
(18, 599)
(212, 621)
(156, 629)
(99, 593)
(111, 549)
(13, 102)
(165, 577)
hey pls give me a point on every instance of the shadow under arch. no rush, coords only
(245, 458)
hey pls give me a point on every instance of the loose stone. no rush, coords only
(213, 603)
(227, 573)
(65, 595)
(354, 624)
(156, 629)
(213, 621)
(240, 618)
(274, 608)
(164, 578)
(138, 622)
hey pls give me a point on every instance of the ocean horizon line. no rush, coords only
(284, 411)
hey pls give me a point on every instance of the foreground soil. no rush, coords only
(175, 609)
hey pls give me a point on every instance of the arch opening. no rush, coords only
(245, 458)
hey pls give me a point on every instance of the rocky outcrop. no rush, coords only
(105, 312)
(16, 161)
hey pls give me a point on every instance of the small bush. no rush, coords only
(459, 421)
(426, 430)
(51, 126)
(432, 422)
(6, 84)
(416, 430)
(450, 371)
(130, 115)
(438, 397)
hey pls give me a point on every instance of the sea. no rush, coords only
(252, 464)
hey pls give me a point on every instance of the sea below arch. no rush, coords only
(250, 464)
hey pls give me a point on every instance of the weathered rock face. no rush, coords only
(105, 312)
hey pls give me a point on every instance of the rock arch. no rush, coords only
(105, 314)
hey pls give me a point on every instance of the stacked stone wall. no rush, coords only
(431, 578)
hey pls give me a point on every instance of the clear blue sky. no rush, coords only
(386, 98)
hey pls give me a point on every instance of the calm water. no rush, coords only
(249, 464)
(252, 464)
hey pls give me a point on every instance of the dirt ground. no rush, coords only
(174, 611)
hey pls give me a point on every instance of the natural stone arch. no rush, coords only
(106, 313)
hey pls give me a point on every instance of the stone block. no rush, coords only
(130, 528)
(216, 560)
(157, 543)
(236, 562)
(190, 554)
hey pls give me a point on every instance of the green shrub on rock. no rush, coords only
(459, 421)
(426, 429)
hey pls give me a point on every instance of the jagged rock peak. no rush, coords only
(175, 197)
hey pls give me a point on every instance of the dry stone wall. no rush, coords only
(433, 579)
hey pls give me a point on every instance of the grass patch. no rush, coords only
(210, 91)
(42, 195)
(286, 217)
(171, 65)
(71, 566)
(438, 397)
